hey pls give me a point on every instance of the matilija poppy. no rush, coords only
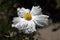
(28, 19)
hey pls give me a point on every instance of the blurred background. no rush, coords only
(8, 11)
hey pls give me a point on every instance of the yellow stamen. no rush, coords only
(27, 16)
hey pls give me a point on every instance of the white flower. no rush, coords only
(27, 19)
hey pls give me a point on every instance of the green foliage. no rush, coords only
(6, 4)
(58, 2)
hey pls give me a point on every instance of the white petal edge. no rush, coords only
(31, 27)
(20, 25)
(22, 11)
(41, 20)
(26, 26)
(36, 10)
(16, 20)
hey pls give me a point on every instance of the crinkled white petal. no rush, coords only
(16, 20)
(21, 25)
(30, 27)
(25, 26)
(21, 11)
(40, 20)
(36, 10)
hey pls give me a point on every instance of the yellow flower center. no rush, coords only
(27, 16)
